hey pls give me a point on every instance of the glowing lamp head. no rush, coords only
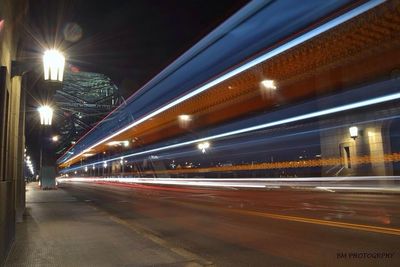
(185, 117)
(46, 115)
(55, 138)
(268, 84)
(353, 132)
(53, 64)
(203, 146)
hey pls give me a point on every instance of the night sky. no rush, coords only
(129, 40)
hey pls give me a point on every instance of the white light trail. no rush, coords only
(270, 54)
(311, 115)
(251, 182)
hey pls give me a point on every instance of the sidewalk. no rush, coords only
(58, 230)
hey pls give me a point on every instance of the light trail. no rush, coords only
(162, 182)
(270, 54)
(259, 183)
(330, 111)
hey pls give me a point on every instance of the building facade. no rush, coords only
(12, 116)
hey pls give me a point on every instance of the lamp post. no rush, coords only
(53, 70)
(46, 117)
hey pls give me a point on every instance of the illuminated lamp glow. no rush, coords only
(185, 117)
(46, 115)
(113, 143)
(353, 132)
(203, 146)
(270, 54)
(268, 84)
(53, 64)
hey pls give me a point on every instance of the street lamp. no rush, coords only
(353, 132)
(46, 114)
(53, 64)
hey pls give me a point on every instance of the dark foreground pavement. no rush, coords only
(88, 224)
(61, 230)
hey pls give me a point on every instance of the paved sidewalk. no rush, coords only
(59, 230)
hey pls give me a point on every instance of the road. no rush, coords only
(230, 227)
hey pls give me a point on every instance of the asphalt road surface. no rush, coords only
(230, 227)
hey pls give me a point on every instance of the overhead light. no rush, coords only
(46, 114)
(53, 64)
(88, 154)
(185, 117)
(113, 143)
(124, 143)
(55, 138)
(269, 84)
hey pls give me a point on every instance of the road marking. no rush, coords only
(360, 227)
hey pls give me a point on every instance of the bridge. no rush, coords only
(272, 141)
